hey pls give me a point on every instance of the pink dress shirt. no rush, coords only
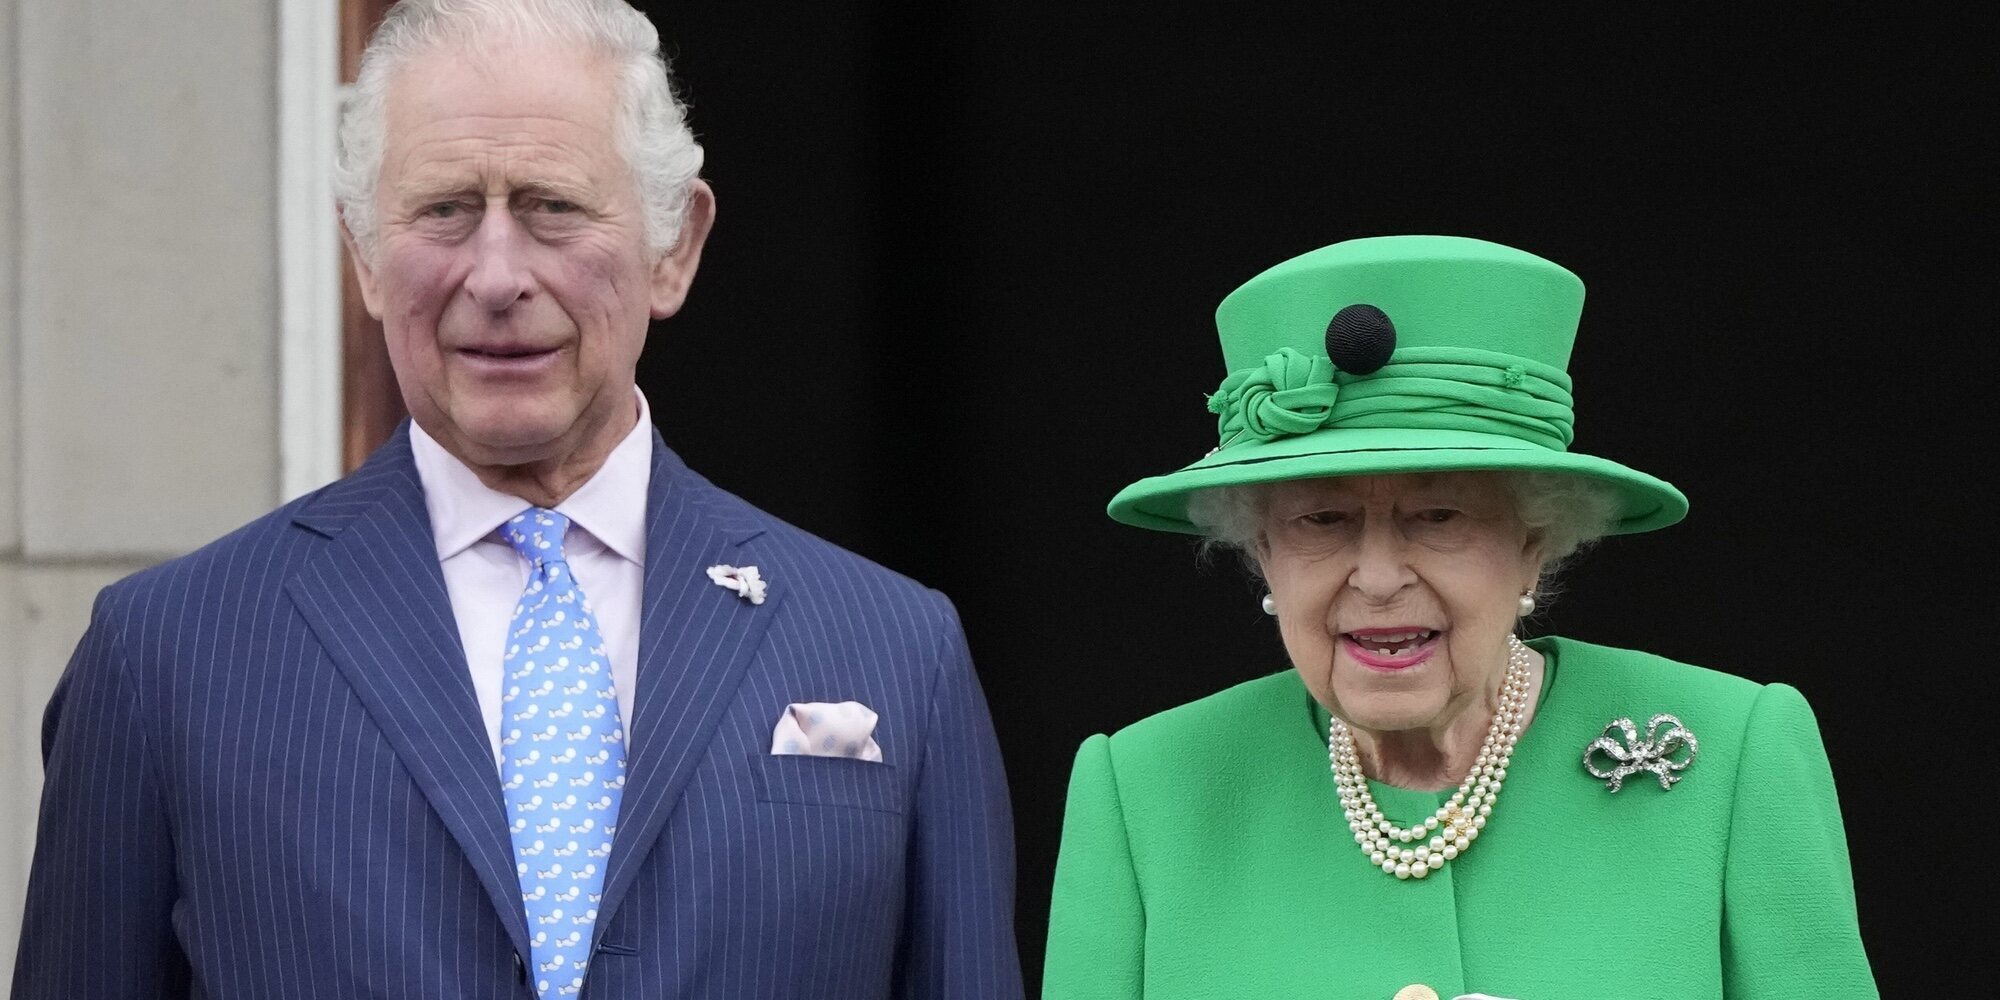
(606, 548)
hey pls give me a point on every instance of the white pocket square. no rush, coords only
(827, 729)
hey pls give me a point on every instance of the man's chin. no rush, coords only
(503, 442)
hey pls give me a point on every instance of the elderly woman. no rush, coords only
(1426, 805)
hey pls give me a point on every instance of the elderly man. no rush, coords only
(522, 707)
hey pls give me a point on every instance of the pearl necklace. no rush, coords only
(1456, 824)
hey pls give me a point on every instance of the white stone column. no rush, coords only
(10, 268)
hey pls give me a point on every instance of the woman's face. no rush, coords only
(1395, 594)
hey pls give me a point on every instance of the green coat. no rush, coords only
(1204, 854)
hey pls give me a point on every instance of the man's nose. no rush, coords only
(499, 275)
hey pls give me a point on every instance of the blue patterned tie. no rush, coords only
(562, 754)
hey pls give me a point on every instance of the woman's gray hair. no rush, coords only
(1568, 513)
(652, 124)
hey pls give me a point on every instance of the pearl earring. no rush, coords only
(1527, 604)
(1270, 605)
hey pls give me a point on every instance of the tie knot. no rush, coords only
(537, 534)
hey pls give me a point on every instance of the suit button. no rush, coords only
(520, 969)
(1416, 991)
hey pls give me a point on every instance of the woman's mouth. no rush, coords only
(1390, 648)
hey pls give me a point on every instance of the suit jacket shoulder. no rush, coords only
(1249, 715)
(265, 548)
(1610, 674)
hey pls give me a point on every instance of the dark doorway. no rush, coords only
(961, 286)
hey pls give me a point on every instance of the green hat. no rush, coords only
(1397, 354)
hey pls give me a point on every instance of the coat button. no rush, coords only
(1416, 991)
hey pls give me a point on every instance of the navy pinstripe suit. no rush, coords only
(267, 777)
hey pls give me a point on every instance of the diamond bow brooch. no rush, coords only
(1660, 752)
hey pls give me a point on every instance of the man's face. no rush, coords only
(511, 272)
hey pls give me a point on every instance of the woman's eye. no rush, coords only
(1324, 518)
(1437, 515)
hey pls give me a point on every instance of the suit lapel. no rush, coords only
(695, 640)
(376, 599)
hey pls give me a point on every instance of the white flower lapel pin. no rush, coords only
(1656, 753)
(741, 579)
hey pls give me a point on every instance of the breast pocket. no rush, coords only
(796, 779)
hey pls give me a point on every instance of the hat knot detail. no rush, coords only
(1292, 393)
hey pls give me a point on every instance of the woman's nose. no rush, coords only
(1382, 565)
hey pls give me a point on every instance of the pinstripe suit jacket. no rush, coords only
(267, 777)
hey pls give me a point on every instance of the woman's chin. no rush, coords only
(1387, 715)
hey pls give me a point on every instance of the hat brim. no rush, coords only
(1160, 502)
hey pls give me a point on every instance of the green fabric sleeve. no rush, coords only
(1789, 927)
(1097, 921)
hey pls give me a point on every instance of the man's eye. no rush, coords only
(557, 205)
(442, 210)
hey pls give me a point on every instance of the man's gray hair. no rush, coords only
(652, 124)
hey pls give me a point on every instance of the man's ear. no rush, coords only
(673, 273)
(364, 273)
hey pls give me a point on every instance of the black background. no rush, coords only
(961, 291)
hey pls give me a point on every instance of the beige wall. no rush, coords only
(14, 713)
(148, 286)
(138, 324)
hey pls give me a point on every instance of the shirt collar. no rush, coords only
(611, 505)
